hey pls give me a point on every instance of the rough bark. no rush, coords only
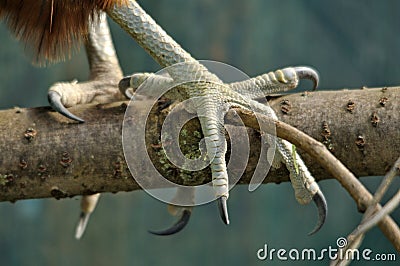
(46, 155)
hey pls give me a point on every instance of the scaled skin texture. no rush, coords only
(213, 97)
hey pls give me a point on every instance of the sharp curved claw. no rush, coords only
(308, 73)
(322, 207)
(80, 229)
(223, 209)
(55, 102)
(123, 86)
(178, 226)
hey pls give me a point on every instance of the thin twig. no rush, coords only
(371, 217)
(383, 187)
(395, 171)
(319, 153)
(354, 240)
(380, 192)
(389, 207)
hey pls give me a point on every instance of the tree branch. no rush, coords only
(46, 155)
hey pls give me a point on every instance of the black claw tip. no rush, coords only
(322, 207)
(55, 102)
(123, 86)
(178, 226)
(223, 209)
(308, 73)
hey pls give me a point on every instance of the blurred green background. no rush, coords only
(351, 43)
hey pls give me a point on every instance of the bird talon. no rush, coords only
(54, 99)
(308, 73)
(223, 209)
(322, 207)
(124, 85)
(178, 226)
(83, 221)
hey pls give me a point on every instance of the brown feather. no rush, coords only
(52, 27)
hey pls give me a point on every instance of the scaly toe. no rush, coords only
(55, 102)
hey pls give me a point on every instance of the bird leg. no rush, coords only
(105, 73)
(211, 98)
(242, 93)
